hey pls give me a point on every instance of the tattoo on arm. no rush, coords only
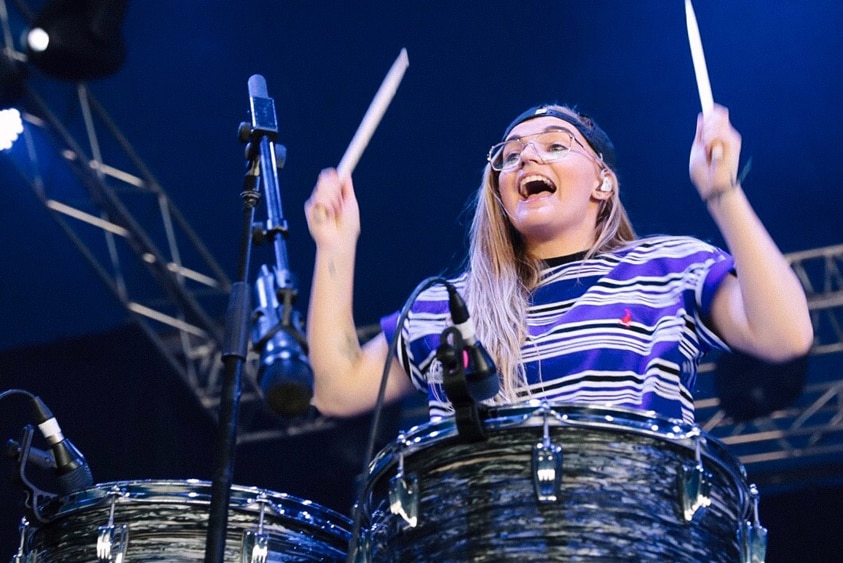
(351, 347)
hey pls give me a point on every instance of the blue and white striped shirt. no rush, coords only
(626, 329)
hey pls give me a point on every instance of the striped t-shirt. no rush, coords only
(626, 329)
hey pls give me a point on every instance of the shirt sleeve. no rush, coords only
(716, 268)
(389, 325)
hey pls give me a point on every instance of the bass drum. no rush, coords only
(168, 521)
(561, 483)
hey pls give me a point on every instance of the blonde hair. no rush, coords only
(501, 274)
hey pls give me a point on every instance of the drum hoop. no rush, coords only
(575, 415)
(198, 492)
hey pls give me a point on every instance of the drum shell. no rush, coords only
(620, 497)
(168, 521)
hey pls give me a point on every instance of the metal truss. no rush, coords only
(109, 204)
(138, 242)
(804, 442)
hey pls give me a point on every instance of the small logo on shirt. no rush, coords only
(626, 320)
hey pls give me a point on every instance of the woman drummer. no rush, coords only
(571, 305)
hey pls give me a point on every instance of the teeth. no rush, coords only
(534, 178)
(531, 179)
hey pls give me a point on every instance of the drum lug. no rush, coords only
(112, 541)
(694, 485)
(361, 552)
(547, 466)
(753, 536)
(404, 494)
(254, 547)
(20, 556)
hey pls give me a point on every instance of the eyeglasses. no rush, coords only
(550, 146)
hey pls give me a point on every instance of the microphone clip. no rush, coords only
(469, 412)
(39, 505)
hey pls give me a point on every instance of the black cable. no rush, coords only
(373, 431)
(9, 392)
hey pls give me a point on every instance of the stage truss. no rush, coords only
(804, 442)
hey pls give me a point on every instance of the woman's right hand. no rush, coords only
(333, 217)
(346, 376)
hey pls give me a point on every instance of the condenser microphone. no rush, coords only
(71, 467)
(262, 108)
(481, 374)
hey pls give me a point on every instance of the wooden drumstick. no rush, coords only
(700, 70)
(373, 115)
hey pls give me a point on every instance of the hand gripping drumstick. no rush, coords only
(700, 70)
(373, 115)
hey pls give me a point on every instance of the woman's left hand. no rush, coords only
(715, 154)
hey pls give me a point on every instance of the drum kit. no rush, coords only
(563, 482)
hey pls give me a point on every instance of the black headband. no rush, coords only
(594, 135)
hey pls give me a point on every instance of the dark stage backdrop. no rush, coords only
(133, 418)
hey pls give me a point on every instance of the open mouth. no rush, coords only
(534, 185)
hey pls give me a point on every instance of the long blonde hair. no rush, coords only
(502, 273)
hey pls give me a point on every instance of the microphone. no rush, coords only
(264, 122)
(71, 467)
(284, 374)
(481, 374)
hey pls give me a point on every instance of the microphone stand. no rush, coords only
(260, 156)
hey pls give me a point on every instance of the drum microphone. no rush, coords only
(71, 467)
(481, 374)
(284, 375)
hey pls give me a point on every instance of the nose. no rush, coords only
(535, 152)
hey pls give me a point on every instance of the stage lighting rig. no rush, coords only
(78, 40)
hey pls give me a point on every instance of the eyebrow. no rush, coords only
(547, 129)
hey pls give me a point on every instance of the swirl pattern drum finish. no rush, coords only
(620, 493)
(168, 521)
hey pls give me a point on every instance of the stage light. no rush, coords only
(11, 126)
(12, 78)
(38, 40)
(78, 39)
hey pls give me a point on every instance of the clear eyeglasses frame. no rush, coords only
(549, 146)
